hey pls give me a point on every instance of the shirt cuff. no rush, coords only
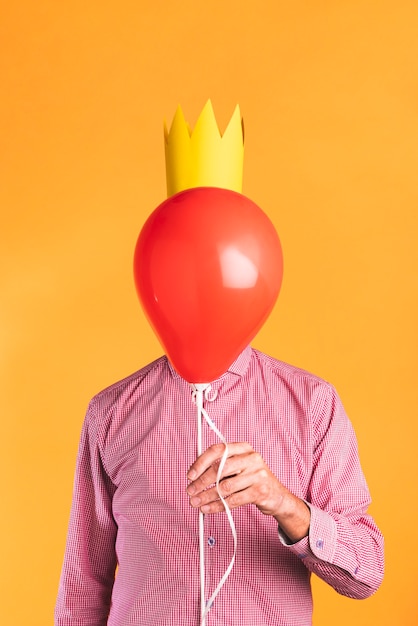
(321, 542)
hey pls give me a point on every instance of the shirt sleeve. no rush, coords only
(344, 546)
(89, 566)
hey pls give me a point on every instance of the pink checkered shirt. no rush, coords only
(131, 514)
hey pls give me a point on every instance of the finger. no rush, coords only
(214, 453)
(205, 497)
(240, 498)
(233, 466)
(227, 487)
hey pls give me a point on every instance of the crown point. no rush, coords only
(203, 157)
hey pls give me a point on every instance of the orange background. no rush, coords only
(328, 91)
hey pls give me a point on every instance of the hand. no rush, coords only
(246, 479)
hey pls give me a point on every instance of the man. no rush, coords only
(292, 480)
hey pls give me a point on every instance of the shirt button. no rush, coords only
(320, 544)
(211, 542)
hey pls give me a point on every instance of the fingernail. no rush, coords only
(192, 475)
(195, 501)
(191, 489)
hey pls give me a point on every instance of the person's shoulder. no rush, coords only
(147, 376)
(287, 370)
(304, 387)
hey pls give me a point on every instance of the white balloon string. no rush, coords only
(201, 391)
(198, 399)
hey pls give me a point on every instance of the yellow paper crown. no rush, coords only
(203, 157)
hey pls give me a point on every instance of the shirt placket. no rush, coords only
(211, 526)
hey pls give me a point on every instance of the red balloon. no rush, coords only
(208, 269)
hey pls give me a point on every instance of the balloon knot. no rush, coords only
(205, 390)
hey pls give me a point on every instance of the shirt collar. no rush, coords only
(238, 367)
